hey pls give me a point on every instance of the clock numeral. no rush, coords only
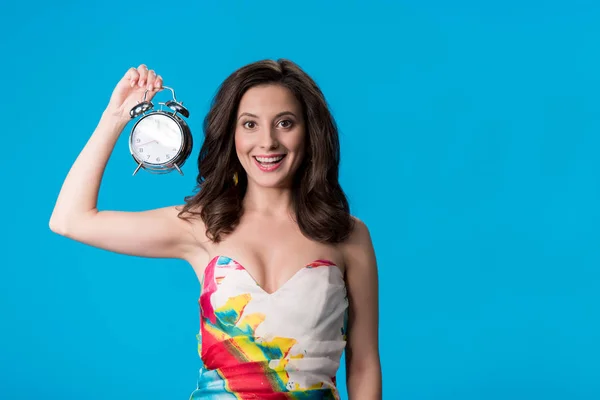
(141, 149)
(138, 140)
(174, 150)
(148, 157)
(157, 158)
(167, 156)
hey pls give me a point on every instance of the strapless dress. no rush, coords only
(282, 345)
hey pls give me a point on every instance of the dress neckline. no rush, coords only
(311, 265)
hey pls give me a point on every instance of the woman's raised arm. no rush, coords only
(153, 233)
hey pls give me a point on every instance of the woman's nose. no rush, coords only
(269, 139)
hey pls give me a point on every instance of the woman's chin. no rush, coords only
(271, 182)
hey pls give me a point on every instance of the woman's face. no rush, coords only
(270, 135)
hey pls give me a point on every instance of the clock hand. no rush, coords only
(143, 144)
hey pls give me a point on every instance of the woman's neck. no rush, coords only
(268, 201)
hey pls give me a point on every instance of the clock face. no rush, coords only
(156, 139)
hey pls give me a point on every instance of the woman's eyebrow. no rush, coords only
(276, 116)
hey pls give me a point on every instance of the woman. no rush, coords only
(288, 277)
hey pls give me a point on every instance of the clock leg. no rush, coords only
(177, 167)
(137, 169)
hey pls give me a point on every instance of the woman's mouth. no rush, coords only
(269, 163)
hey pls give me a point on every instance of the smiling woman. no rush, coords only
(268, 140)
(269, 162)
(269, 109)
(288, 276)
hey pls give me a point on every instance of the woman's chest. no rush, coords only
(270, 253)
(309, 302)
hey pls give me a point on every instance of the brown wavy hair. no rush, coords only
(320, 206)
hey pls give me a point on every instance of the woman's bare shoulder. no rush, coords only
(359, 234)
(357, 249)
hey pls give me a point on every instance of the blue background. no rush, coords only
(470, 138)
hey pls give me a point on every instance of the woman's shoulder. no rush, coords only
(359, 258)
(360, 231)
(358, 245)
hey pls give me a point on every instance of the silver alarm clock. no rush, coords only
(160, 141)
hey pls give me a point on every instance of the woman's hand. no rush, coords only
(130, 91)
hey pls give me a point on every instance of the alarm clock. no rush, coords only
(161, 140)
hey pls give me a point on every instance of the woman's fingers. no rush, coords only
(142, 78)
(143, 71)
(150, 80)
(158, 83)
(132, 75)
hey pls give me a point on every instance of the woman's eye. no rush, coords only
(248, 123)
(286, 123)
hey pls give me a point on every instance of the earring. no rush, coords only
(235, 178)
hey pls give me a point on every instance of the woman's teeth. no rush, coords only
(269, 160)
